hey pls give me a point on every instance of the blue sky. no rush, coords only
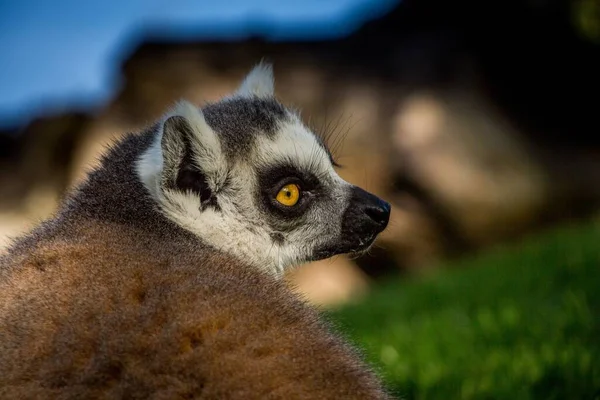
(66, 51)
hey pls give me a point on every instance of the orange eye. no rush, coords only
(289, 195)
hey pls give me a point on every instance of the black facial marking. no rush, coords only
(273, 179)
(277, 237)
(280, 217)
(239, 120)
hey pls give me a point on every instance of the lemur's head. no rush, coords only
(249, 178)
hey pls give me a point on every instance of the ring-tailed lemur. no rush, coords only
(159, 277)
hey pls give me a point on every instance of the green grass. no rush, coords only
(519, 322)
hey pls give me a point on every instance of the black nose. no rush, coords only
(365, 217)
(379, 212)
(367, 213)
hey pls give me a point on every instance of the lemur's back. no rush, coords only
(109, 315)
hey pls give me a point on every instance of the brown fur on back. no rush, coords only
(91, 307)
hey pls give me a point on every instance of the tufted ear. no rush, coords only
(259, 82)
(192, 159)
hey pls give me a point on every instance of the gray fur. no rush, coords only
(239, 120)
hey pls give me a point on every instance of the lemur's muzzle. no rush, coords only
(366, 216)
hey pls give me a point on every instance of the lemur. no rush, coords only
(159, 277)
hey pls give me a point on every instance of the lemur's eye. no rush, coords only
(289, 195)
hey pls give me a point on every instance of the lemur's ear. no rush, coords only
(259, 82)
(192, 158)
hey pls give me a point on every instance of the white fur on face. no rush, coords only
(223, 229)
(297, 145)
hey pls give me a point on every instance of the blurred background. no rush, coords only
(478, 121)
